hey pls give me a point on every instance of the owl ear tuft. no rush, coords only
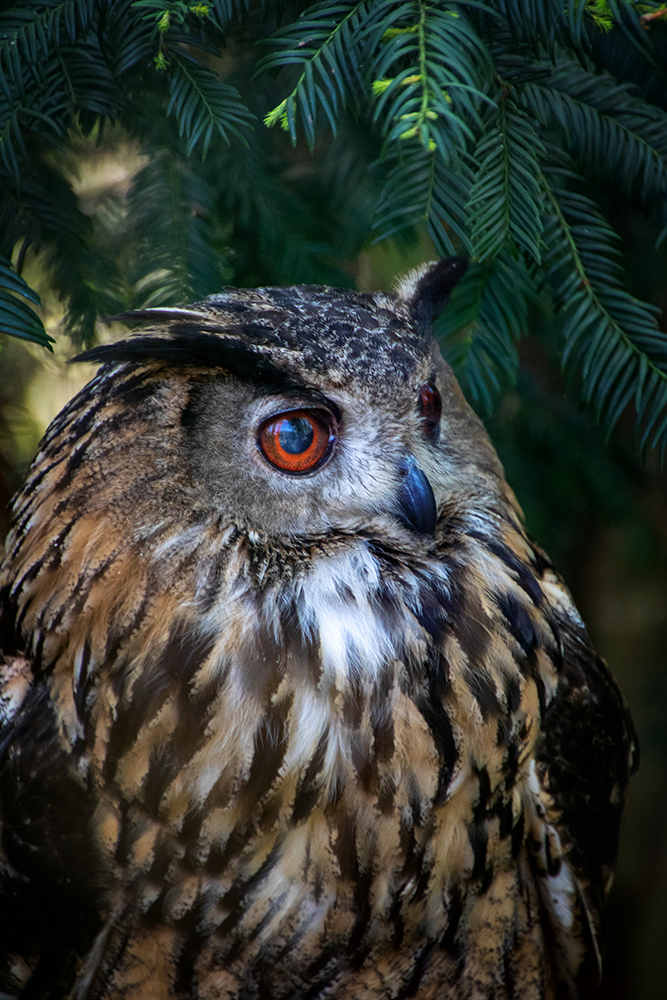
(427, 289)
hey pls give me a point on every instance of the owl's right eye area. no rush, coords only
(430, 408)
(297, 441)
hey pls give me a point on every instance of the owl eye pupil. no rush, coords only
(296, 435)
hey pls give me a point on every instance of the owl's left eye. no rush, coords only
(297, 441)
(430, 409)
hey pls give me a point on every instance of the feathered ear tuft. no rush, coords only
(427, 289)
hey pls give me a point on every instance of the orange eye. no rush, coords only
(430, 408)
(297, 441)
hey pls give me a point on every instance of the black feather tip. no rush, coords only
(433, 289)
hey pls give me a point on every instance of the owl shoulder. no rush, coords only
(585, 756)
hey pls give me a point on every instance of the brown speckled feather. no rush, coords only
(259, 737)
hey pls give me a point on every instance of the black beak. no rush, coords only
(416, 503)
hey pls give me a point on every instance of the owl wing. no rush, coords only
(44, 834)
(16, 681)
(585, 757)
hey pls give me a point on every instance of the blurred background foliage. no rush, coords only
(152, 151)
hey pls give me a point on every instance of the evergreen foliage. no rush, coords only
(507, 127)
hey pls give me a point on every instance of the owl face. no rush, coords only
(299, 414)
(300, 462)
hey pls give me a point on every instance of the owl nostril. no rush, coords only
(416, 503)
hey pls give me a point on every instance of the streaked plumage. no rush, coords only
(264, 736)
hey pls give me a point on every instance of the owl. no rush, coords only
(291, 706)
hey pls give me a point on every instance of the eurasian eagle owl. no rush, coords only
(291, 705)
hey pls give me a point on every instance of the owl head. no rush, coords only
(292, 412)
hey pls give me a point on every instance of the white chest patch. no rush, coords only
(339, 604)
(336, 606)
